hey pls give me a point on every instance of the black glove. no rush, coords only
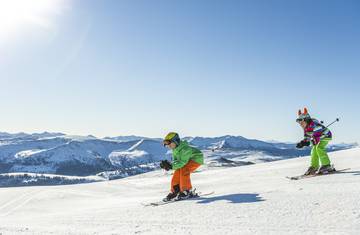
(166, 165)
(302, 144)
(299, 145)
(306, 143)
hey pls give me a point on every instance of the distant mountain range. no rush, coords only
(114, 157)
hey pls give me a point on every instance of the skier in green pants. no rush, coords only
(319, 136)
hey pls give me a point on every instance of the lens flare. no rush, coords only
(18, 15)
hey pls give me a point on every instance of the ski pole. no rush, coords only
(336, 120)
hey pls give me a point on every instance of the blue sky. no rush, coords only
(201, 68)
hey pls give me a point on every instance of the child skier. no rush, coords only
(318, 136)
(185, 160)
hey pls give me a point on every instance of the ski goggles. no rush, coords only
(166, 142)
(300, 120)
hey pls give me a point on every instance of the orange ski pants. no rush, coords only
(181, 176)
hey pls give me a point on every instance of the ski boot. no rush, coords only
(311, 171)
(172, 195)
(186, 194)
(323, 170)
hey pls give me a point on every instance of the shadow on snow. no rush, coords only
(233, 198)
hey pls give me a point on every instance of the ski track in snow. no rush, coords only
(254, 199)
(18, 202)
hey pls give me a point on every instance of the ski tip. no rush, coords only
(292, 178)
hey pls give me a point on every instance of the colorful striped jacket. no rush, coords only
(315, 132)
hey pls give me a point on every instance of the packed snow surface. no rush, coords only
(253, 199)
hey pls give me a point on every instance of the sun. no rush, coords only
(17, 14)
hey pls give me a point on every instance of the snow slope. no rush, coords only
(254, 199)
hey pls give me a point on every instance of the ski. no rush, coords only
(160, 203)
(299, 177)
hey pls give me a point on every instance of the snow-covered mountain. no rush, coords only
(241, 143)
(74, 155)
(129, 138)
(233, 142)
(237, 150)
(248, 200)
(111, 158)
(143, 152)
(22, 135)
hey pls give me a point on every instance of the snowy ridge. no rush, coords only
(33, 179)
(145, 151)
(230, 142)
